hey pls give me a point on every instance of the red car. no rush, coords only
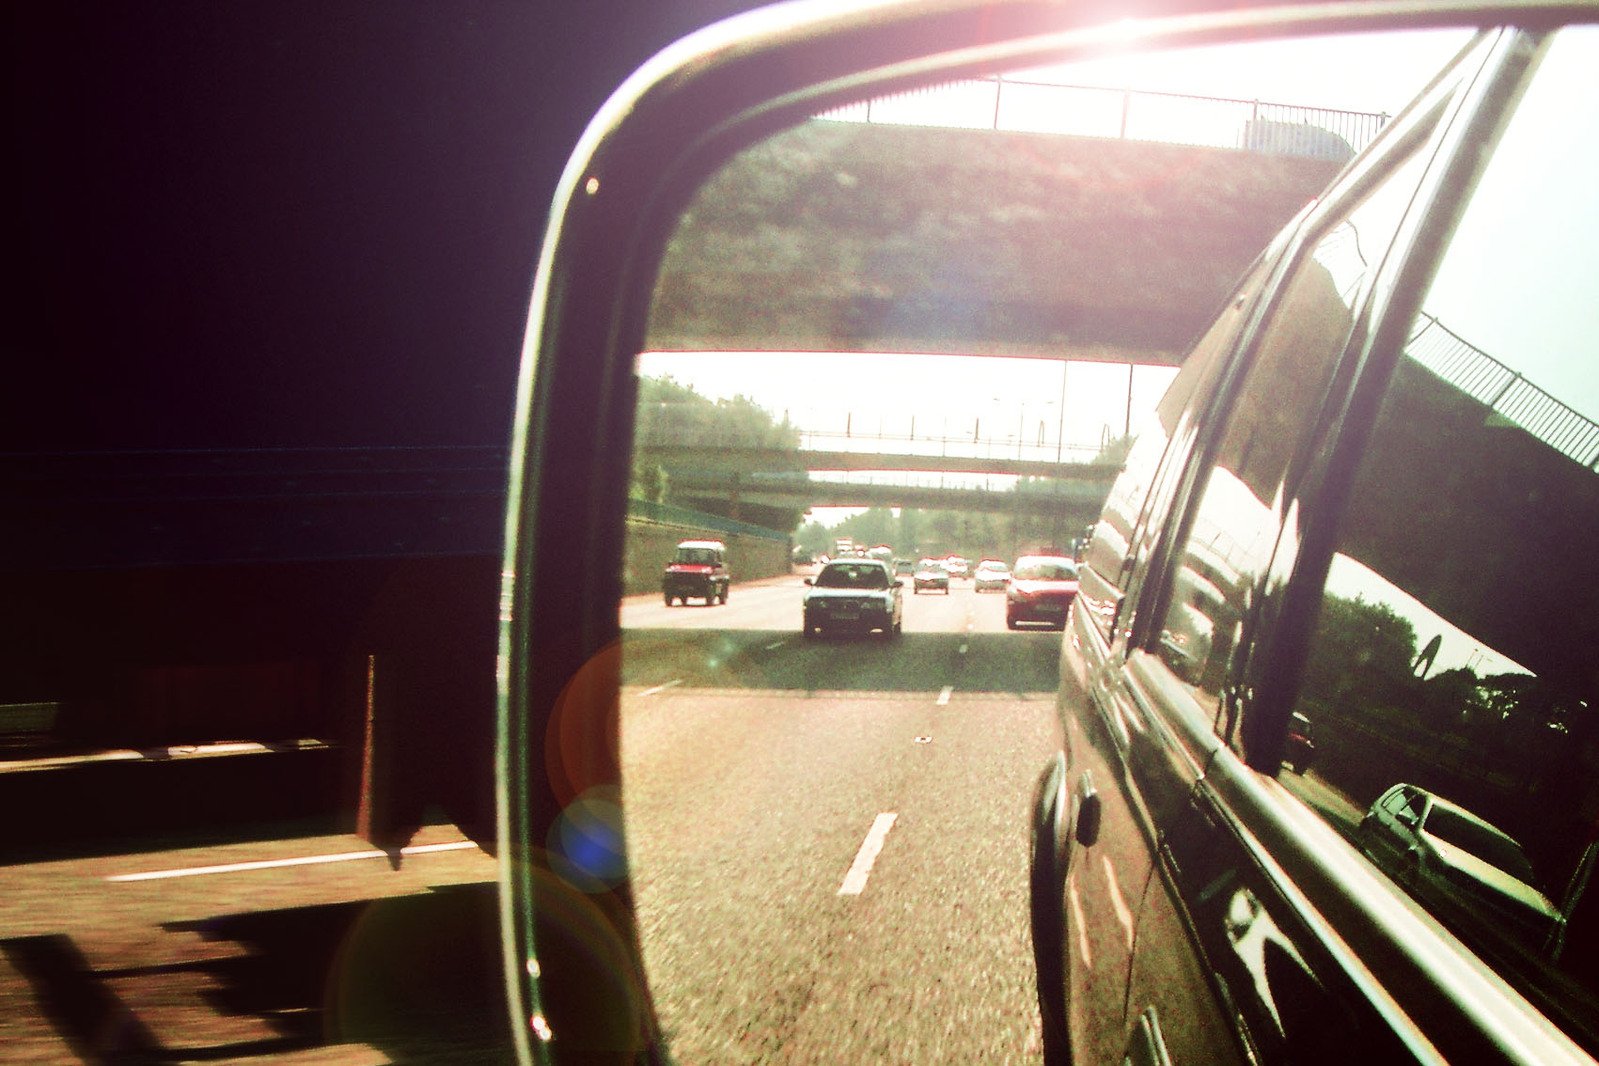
(1041, 589)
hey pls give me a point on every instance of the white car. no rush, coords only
(991, 574)
(854, 596)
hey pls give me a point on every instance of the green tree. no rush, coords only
(814, 538)
(670, 412)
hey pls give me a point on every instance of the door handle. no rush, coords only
(1086, 800)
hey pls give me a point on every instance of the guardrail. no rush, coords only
(669, 514)
(1021, 105)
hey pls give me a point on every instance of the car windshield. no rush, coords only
(991, 566)
(852, 576)
(1483, 841)
(1046, 570)
(702, 556)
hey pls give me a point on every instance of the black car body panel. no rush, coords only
(1236, 900)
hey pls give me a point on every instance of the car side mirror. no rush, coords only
(807, 581)
(899, 582)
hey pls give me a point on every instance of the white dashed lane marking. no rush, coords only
(861, 868)
(943, 696)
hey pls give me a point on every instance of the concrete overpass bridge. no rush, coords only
(857, 237)
(926, 472)
(965, 459)
(1075, 503)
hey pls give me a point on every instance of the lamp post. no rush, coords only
(1060, 431)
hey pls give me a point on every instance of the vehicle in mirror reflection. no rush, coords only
(855, 596)
(991, 575)
(1041, 589)
(930, 574)
(1459, 864)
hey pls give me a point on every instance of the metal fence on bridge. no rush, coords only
(1021, 105)
(1505, 392)
(1040, 440)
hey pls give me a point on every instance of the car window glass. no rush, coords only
(1132, 504)
(835, 576)
(1234, 529)
(1455, 643)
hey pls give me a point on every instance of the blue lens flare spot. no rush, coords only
(586, 844)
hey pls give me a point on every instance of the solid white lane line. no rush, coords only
(1117, 903)
(273, 864)
(662, 688)
(943, 696)
(861, 869)
(775, 645)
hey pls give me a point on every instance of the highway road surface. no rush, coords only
(830, 837)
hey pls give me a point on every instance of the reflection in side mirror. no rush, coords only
(829, 246)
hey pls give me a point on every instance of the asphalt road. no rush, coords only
(756, 765)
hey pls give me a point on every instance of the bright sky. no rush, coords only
(1004, 398)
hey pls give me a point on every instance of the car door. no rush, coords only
(1224, 969)
(1109, 854)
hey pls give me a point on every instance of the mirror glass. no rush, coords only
(895, 358)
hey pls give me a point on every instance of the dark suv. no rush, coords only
(1369, 501)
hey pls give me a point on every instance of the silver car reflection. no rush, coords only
(1459, 865)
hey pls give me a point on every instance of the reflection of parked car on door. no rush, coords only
(1457, 862)
(1300, 749)
(699, 568)
(854, 595)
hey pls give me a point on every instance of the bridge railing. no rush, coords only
(1504, 391)
(1040, 440)
(1009, 484)
(1040, 446)
(1002, 103)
